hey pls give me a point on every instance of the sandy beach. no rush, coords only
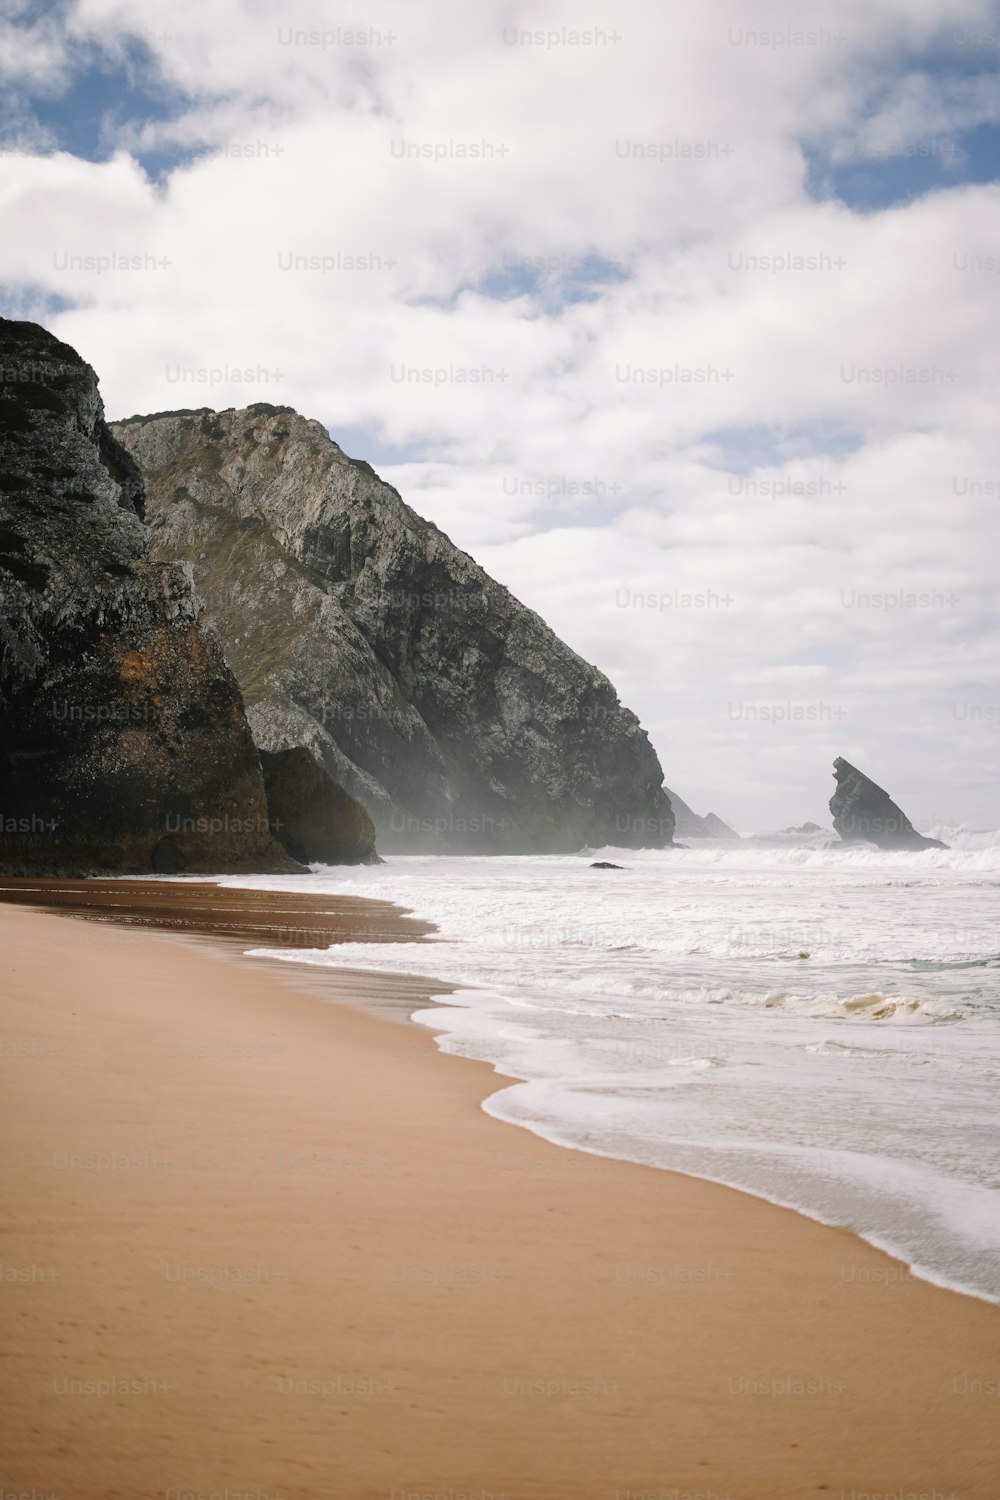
(260, 1244)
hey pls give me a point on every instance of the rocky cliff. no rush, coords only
(314, 818)
(125, 746)
(863, 811)
(357, 629)
(690, 825)
(715, 828)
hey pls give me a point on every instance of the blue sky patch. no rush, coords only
(108, 93)
(740, 450)
(868, 184)
(557, 278)
(358, 442)
(579, 514)
(32, 306)
(959, 71)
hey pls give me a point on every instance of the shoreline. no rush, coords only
(232, 919)
(898, 1250)
(201, 910)
(906, 1269)
(501, 1261)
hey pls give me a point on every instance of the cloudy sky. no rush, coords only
(681, 318)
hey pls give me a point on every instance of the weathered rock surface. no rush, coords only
(125, 747)
(312, 817)
(715, 828)
(688, 824)
(360, 631)
(863, 811)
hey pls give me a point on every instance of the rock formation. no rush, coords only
(314, 818)
(689, 825)
(358, 630)
(805, 836)
(862, 811)
(715, 828)
(125, 747)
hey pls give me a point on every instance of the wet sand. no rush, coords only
(235, 920)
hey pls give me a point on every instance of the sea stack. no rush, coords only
(358, 630)
(125, 748)
(689, 825)
(864, 813)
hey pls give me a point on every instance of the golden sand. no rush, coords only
(257, 1244)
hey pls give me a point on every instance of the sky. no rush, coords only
(681, 319)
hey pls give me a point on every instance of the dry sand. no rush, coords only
(258, 1245)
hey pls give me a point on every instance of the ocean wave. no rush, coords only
(875, 1006)
(764, 1016)
(974, 853)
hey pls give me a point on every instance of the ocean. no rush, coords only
(820, 1027)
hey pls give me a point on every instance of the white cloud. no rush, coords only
(32, 48)
(577, 484)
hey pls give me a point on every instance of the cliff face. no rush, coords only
(315, 820)
(689, 825)
(125, 747)
(357, 629)
(862, 810)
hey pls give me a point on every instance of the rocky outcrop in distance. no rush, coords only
(689, 825)
(358, 630)
(803, 836)
(863, 812)
(125, 747)
(312, 817)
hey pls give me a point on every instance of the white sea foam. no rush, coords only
(818, 1026)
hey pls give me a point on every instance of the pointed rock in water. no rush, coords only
(604, 864)
(357, 629)
(715, 828)
(314, 818)
(862, 811)
(689, 825)
(125, 749)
